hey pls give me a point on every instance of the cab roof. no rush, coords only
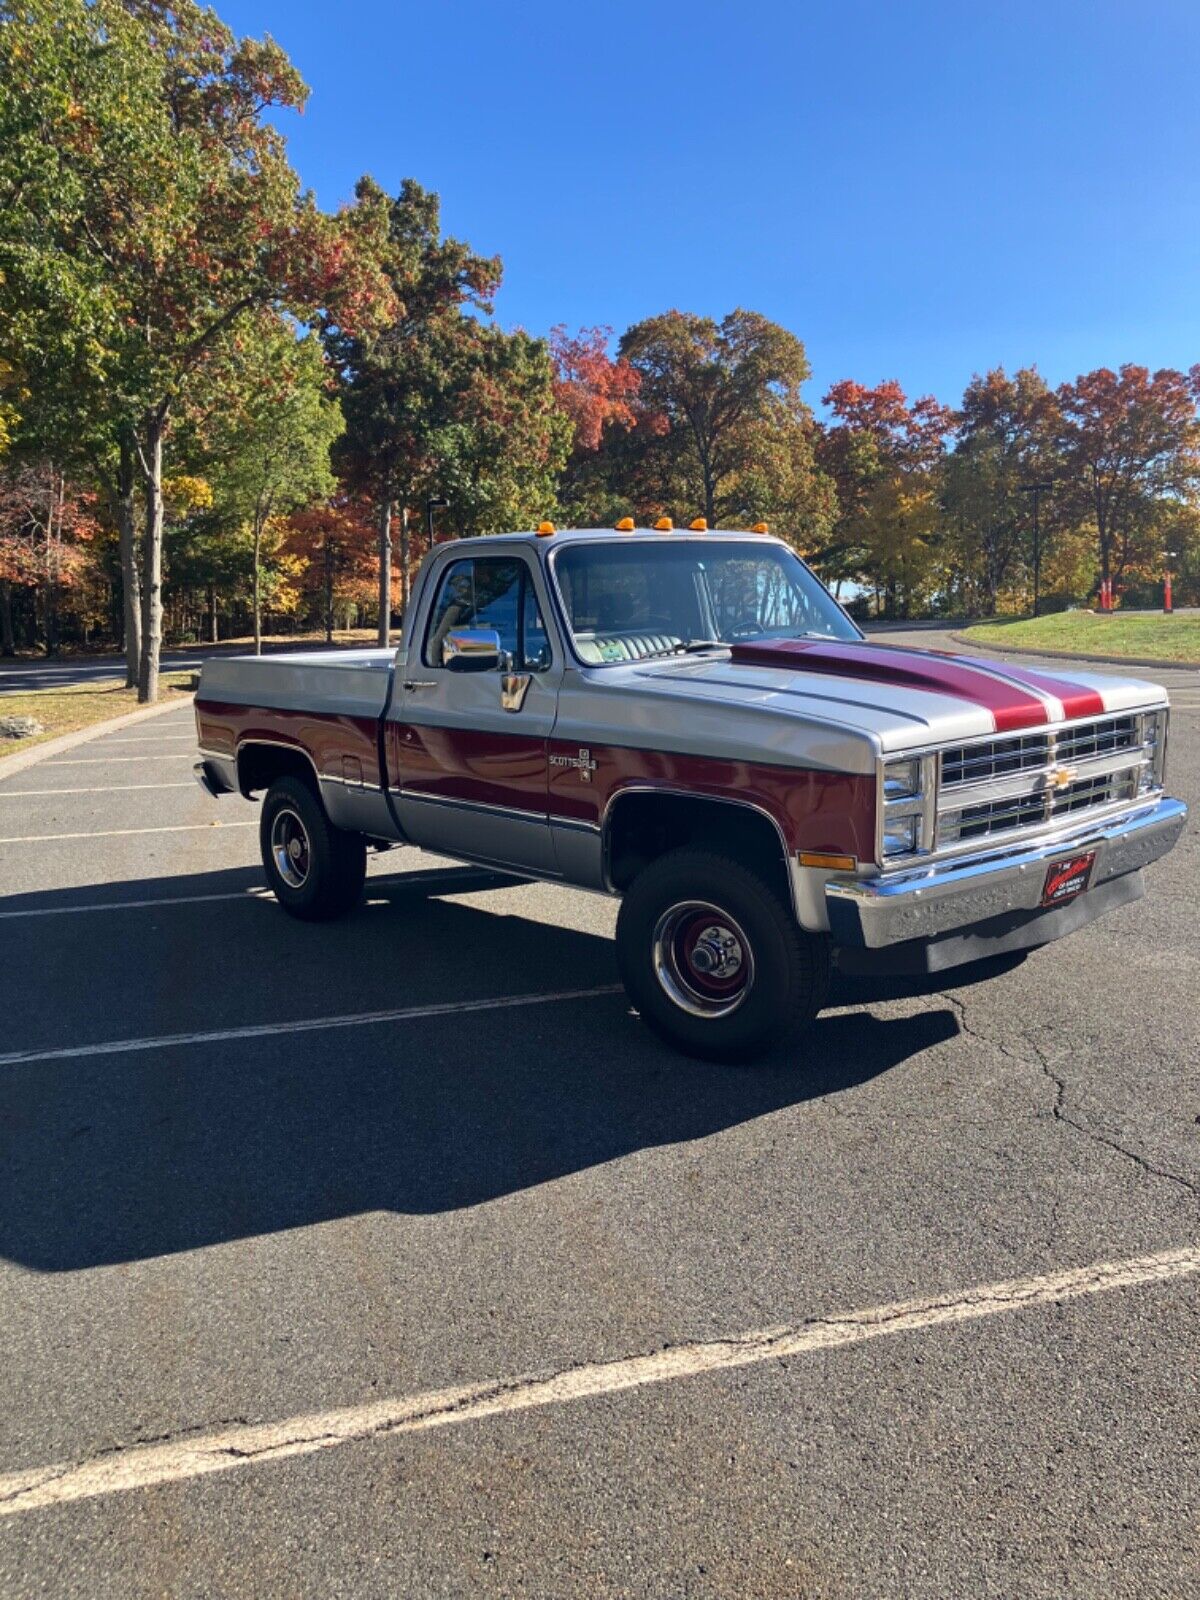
(575, 535)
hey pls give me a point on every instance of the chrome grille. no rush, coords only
(1005, 785)
(993, 758)
(1104, 738)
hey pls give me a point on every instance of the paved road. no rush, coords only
(263, 1222)
(24, 674)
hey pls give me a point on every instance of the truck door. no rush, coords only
(469, 748)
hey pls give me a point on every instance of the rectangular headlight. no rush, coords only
(901, 780)
(900, 835)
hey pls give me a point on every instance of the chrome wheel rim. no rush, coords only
(702, 959)
(290, 848)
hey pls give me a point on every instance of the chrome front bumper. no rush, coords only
(950, 896)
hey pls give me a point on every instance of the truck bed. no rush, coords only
(340, 683)
(327, 705)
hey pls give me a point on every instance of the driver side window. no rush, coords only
(490, 592)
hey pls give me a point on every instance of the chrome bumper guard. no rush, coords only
(925, 902)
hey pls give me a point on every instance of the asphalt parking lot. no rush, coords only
(319, 1256)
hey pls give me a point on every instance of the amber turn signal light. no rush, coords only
(814, 858)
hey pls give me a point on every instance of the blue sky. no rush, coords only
(919, 190)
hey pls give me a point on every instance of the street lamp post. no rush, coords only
(1037, 490)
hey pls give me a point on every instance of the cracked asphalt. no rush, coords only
(259, 1230)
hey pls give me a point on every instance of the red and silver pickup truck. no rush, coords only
(688, 720)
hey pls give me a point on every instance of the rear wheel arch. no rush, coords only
(260, 762)
(643, 825)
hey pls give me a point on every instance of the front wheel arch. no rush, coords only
(692, 901)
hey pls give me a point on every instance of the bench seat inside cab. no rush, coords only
(597, 649)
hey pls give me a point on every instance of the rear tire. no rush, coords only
(714, 960)
(316, 871)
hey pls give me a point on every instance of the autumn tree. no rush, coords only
(147, 208)
(1007, 431)
(47, 527)
(403, 379)
(1131, 444)
(721, 388)
(884, 455)
(336, 545)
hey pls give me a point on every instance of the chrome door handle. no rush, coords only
(419, 683)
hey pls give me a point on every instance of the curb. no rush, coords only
(1067, 655)
(67, 741)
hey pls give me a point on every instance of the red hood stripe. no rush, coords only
(1011, 709)
(1077, 700)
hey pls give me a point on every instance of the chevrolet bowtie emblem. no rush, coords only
(1060, 777)
(582, 763)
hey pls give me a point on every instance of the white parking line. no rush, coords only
(135, 905)
(111, 761)
(114, 833)
(439, 876)
(115, 788)
(266, 1030)
(135, 1466)
(150, 738)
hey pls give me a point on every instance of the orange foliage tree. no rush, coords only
(337, 544)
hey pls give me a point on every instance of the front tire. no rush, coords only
(316, 871)
(713, 959)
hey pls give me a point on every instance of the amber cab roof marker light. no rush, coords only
(700, 525)
(625, 525)
(760, 527)
(663, 525)
(545, 529)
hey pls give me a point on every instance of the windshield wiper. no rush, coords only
(685, 648)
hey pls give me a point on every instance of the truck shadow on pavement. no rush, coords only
(126, 1156)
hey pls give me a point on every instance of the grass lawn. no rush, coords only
(1138, 637)
(64, 710)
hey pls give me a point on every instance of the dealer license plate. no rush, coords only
(1066, 879)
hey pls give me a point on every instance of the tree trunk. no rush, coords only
(328, 591)
(8, 643)
(213, 631)
(152, 549)
(257, 586)
(385, 561)
(131, 588)
(710, 499)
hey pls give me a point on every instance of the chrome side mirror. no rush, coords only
(472, 650)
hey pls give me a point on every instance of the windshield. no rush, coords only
(653, 598)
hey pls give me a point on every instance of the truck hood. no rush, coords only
(892, 698)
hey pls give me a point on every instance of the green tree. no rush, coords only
(501, 451)
(1007, 437)
(884, 454)
(273, 449)
(722, 389)
(146, 210)
(404, 379)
